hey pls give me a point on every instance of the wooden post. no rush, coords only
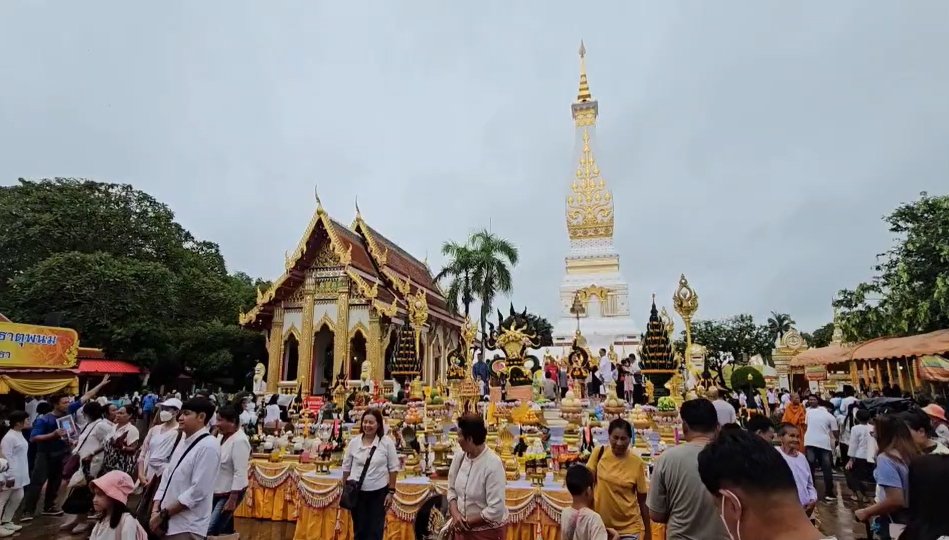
(877, 369)
(889, 372)
(912, 369)
(853, 375)
(909, 375)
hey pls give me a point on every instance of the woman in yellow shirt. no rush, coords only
(620, 494)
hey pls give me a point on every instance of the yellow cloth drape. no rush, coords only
(37, 387)
(280, 492)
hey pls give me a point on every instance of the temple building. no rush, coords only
(351, 305)
(592, 281)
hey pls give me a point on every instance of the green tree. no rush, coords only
(910, 292)
(820, 337)
(737, 337)
(115, 265)
(459, 273)
(492, 260)
(778, 324)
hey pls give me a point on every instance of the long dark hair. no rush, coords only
(928, 491)
(117, 510)
(894, 438)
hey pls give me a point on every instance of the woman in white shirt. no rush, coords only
(231, 481)
(476, 485)
(272, 416)
(378, 457)
(122, 445)
(13, 448)
(160, 442)
(90, 448)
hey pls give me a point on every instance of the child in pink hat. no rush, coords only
(110, 497)
(938, 416)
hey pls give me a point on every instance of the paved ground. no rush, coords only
(836, 519)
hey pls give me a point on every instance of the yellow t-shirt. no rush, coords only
(619, 482)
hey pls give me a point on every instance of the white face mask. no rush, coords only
(165, 416)
(737, 535)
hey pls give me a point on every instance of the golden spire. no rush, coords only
(583, 94)
(590, 203)
(584, 108)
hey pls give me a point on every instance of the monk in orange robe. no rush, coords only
(796, 414)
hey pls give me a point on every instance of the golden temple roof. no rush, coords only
(365, 256)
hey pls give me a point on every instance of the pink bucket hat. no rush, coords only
(116, 485)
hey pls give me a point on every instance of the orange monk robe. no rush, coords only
(796, 414)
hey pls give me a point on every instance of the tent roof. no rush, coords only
(876, 349)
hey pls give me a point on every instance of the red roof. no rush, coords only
(111, 367)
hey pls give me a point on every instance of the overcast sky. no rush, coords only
(753, 146)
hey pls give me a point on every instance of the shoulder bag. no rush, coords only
(349, 499)
(144, 510)
(164, 524)
(73, 462)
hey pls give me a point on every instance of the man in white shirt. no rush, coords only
(605, 370)
(819, 441)
(231, 479)
(724, 410)
(183, 502)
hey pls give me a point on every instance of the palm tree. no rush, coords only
(779, 323)
(459, 273)
(492, 260)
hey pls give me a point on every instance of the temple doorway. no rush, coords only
(291, 358)
(322, 360)
(357, 354)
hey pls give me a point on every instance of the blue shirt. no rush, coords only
(46, 424)
(480, 371)
(148, 402)
(890, 473)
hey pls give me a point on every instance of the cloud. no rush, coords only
(752, 146)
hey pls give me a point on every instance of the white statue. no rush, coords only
(260, 385)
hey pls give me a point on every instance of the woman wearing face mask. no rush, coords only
(376, 455)
(160, 442)
(620, 494)
(755, 491)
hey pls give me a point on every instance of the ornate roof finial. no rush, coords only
(319, 203)
(358, 213)
(583, 94)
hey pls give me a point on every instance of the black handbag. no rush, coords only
(349, 498)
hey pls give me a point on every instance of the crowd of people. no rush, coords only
(184, 479)
(167, 467)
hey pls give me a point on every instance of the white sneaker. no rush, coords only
(12, 526)
(4, 532)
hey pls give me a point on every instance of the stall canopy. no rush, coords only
(933, 343)
(107, 367)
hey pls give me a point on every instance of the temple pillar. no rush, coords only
(305, 363)
(341, 343)
(374, 346)
(275, 350)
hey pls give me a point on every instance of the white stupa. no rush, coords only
(592, 274)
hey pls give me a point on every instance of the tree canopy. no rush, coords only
(909, 293)
(112, 263)
(738, 336)
(479, 268)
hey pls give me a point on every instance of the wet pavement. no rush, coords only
(836, 519)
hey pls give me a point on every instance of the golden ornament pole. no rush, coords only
(686, 303)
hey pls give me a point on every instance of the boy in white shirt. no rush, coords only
(859, 469)
(579, 521)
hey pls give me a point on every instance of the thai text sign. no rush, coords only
(313, 403)
(27, 345)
